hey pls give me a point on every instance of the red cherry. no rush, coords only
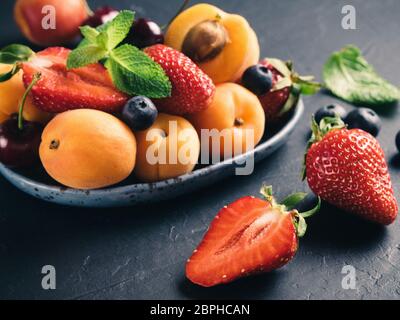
(145, 33)
(19, 147)
(100, 16)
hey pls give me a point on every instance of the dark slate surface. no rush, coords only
(139, 252)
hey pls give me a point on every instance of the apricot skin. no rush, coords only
(231, 103)
(240, 51)
(11, 92)
(170, 143)
(87, 149)
(69, 16)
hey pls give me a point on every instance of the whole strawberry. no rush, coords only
(347, 168)
(250, 235)
(285, 87)
(192, 89)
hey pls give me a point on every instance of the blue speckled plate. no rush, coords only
(39, 185)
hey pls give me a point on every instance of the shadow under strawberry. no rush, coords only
(394, 161)
(258, 286)
(335, 228)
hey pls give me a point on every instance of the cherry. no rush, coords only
(20, 139)
(19, 148)
(100, 16)
(144, 33)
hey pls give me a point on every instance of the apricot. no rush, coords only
(238, 118)
(168, 149)
(50, 22)
(87, 149)
(222, 44)
(11, 92)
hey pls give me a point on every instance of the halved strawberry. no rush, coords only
(60, 89)
(248, 236)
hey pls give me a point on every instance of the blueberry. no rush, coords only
(330, 111)
(398, 141)
(139, 113)
(365, 119)
(258, 79)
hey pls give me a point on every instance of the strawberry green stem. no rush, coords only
(288, 204)
(35, 79)
(7, 76)
(326, 125)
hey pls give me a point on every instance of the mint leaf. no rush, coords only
(117, 29)
(134, 73)
(350, 77)
(85, 55)
(89, 33)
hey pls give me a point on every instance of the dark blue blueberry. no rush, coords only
(365, 119)
(398, 141)
(139, 113)
(330, 111)
(258, 79)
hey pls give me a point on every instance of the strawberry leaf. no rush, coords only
(8, 75)
(292, 200)
(134, 73)
(14, 53)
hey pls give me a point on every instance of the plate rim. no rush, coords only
(12, 175)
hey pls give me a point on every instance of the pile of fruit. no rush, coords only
(93, 114)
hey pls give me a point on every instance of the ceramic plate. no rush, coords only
(40, 185)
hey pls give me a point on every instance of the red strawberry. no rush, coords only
(248, 236)
(192, 89)
(60, 89)
(347, 168)
(286, 88)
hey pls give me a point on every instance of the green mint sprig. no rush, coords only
(131, 70)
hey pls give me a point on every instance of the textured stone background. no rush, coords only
(139, 252)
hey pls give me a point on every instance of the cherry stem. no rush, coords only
(88, 9)
(35, 79)
(182, 7)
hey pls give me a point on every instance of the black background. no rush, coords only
(140, 252)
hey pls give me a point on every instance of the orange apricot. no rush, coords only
(11, 92)
(87, 149)
(222, 44)
(238, 118)
(168, 149)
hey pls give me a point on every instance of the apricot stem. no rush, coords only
(35, 79)
(54, 144)
(239, 122)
